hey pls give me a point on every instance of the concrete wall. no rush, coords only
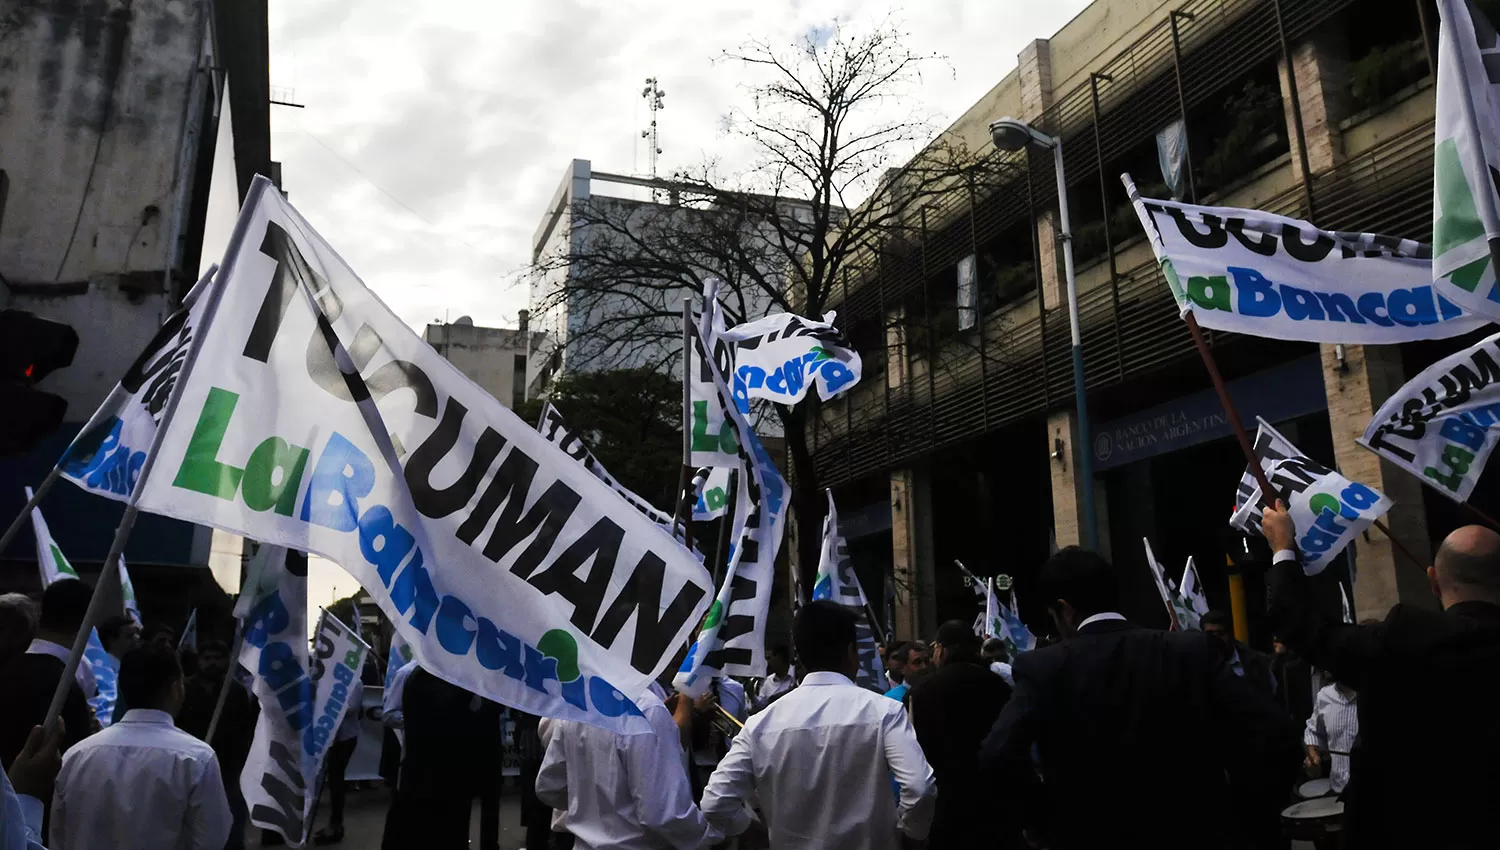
(93, 99)
(485, 355)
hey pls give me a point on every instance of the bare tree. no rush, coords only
(825, 195)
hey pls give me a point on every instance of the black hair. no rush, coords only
(1217, 618)
(110, 629)
(958, 641)
(901, 652)
(823, 634)
(996, 647)
(1081, 578)
(147, 674)
(213, 646)
(780, 650)
(64, 605)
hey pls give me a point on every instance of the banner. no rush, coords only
(1442, 425)
(1160, 576)
(338, 656)
(1328, 510)
(838, 582)
(1270, 447)
(1020, 634)
(1466, 153)
(555, 429)
(732, 639)
(779, 356)
(320, 422)
(1267, 275)
(107, 455)
(1190, 602)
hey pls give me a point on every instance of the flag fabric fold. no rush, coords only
(837, 581)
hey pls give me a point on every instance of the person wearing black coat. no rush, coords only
(1119, 716)
(1428, 681)
(952, 709)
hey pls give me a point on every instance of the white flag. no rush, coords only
(1466, 153)
(1192, 602)
(1328, 510)
(1258, 273)
(1160, 576)
(189, 637)
(838, 582)
(99, 677)
(732, 640)
(49, 556)
(779, 356)
(1270, 447)
(555, 429)
(314, 418)
(107, 455)
(1443, 424)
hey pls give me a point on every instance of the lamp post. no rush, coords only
(1012, 134)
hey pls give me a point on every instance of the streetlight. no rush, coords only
(1013, 134)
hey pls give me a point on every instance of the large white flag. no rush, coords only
(1466, 153)
(1328, 510)
(314, 418)
(838, 582)
(107, 455)
(1443, 424)
(1258, 273)
(732, 640)
(780, 356)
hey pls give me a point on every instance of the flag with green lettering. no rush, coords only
(1466, 154)
(50, 559)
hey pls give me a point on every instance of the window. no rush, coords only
(518, 386)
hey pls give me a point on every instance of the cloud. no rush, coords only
(435, 134)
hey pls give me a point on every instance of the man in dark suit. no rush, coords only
(1118, 713)
(1428, 683)
(28, 680)
(952, 710)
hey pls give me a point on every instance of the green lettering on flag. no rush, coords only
(1458, 221)
(705, 442)
(1211, 292)
(201, 470)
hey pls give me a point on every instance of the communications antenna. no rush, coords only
(653, 96)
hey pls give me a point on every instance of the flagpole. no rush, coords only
(685, 476)
(234, 654)
(102, 588)
(1268, 494)
(36, 499)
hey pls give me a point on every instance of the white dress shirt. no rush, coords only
(821, 760)
(83, 673)
(142, 783)
(1002, 669)
(20, 818)
(354, 715)
(390, 702)
(1333, 726)
(772, 686)
(623, 791)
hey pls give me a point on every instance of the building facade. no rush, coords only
(118, 160)
(962, 447)
(494, 358)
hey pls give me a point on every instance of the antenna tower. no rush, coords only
(653, 96)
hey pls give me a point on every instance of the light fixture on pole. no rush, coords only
(1013, 134)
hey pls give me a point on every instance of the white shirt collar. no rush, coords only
(826, 677)
(148, 715)
(40, 646)
(1101, 617)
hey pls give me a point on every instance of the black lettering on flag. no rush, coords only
(601, 544)
(286, 816)
(546, 518)
(433, 502)
(655, 626)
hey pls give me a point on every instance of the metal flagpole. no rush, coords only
(36, 499)
(685, 476)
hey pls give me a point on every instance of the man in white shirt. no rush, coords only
(1333, 726)
(142, 783)
(821, 758)
(391, 701)
(778, 678)
(629, 792)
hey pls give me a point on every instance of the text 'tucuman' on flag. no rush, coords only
(1465, 222)
(1267, 275)
(313, 418)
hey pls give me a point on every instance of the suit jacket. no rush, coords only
(26, 683)
(1125, 718)
(952, 710)
(452, 738)
(1429, 729)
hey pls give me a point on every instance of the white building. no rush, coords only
(494, 358)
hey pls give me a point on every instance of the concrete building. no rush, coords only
(494, 358)
(944, 454)
(114, 128)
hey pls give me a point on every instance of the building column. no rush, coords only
(1321, 66)
(911, 553)
(1356, 387)
(1067, 489)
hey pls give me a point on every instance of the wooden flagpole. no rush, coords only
(685, 477)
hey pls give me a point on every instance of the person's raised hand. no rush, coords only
(35, 768)
(1276, 524)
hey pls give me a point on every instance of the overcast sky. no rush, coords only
(435, 133)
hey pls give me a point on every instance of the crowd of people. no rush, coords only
(1106, 735)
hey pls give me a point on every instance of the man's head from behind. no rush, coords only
(213, 659)
(151, 677)
(824, 636)
(1077, 584)
(17, 624)
(955, 642)
(1467, 567)
(994, 650)
(64, 605)
(119, 634)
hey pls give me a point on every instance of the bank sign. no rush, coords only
(1277, 394)
(1267, 275)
